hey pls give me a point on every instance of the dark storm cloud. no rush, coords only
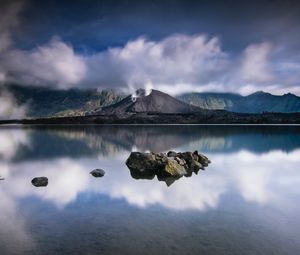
(177, 46)
(99, 24)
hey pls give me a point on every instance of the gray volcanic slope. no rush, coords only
(155, 102)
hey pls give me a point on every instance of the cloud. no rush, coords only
(255, 66)
(267, 67)
(9, 108)
(173, 60)
(175, 64)
(9, 21)
(54, 63)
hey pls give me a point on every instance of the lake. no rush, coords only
(245, 202)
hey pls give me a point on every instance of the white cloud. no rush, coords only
(255, 66)
(176, 64)
(9, 108)
(174, 60)
(54, 63)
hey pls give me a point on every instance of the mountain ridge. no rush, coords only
(48, 102)
(257, 102)
(51, 102)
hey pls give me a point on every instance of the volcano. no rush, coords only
(154, 102)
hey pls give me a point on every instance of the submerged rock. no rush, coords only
(98, 173)
(40, 181)
(167, 167)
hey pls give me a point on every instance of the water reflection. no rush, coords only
(261, 178)
(257, 178)
(90, 141)
(11, 141)
(259, 167)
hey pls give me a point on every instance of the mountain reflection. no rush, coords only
(90, 141)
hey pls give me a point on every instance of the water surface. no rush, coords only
(245, 202)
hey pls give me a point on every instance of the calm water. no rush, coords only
(246, 202)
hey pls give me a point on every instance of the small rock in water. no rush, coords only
(1, 178)
(40, 181)
(98, 173)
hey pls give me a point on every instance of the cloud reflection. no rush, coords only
(11, 140)
(262, 179)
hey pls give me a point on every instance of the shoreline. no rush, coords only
(208, 118)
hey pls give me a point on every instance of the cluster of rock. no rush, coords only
(167, 167)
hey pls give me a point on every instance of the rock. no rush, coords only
(173, 168)
(203, 160)
(180, 161)
(168, 180)
(145, 161)
(161, 157)
(40, 181)
(1, 178)
(172, 154)
(195, 166)
(167, 167)
(145, 174)
(191, 163)
(98, 173)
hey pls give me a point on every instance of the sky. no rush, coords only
(176, 46)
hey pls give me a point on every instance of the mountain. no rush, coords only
(48, 102)
(266, 102)
(255, 103)
(216, 101)
(155, 102)
(160, 108)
